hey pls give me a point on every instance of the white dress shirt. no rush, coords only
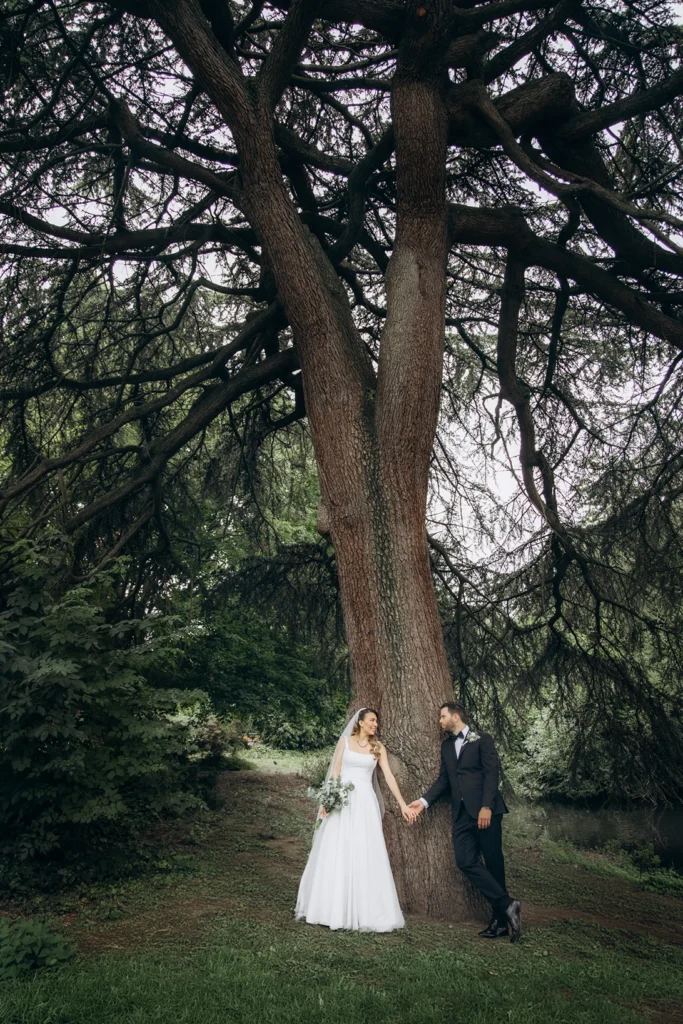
(458, 747)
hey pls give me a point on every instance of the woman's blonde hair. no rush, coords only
(375, 745)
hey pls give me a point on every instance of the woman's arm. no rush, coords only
(336, 768)
(393, 784)
(338, 754)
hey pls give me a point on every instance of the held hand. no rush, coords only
(484, 817)
(417, 807)
(408, 814)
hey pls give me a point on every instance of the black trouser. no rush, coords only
(471, 842)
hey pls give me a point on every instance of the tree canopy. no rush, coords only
(151, 341)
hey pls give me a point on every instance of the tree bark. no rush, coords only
(409, 378)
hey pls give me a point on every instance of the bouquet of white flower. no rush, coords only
(332, 796)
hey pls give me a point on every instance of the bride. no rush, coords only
(347, 882)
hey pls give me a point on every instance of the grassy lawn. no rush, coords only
(211, 937)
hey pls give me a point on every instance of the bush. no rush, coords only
(543, 764)
(553, 760)
(217, 740)
(250, 669)
(87, 749)
(305, 733)
(645, 859)
(29, 945)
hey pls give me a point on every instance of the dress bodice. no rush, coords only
(357, 768)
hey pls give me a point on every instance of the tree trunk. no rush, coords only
(372, 434)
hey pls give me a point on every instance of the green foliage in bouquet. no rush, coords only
(331, 796)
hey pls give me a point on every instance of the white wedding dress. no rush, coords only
(348, 882)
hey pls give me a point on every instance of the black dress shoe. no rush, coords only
(494, 930)
(514, 916)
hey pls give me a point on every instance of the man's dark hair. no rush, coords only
(455, 708)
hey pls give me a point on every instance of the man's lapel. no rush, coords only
(464, 747)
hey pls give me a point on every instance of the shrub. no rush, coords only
(306, 732)
(544, 765)
(29, 945)
(87, 748)
(216, 740)
(550, 761)
(250, 669)
(645, 859)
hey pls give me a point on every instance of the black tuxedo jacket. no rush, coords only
(471, 778)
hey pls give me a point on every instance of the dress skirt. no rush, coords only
(348, 881)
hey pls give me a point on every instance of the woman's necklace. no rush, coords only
(363, 744)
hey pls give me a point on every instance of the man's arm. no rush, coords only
(490, 766)
(440, 787)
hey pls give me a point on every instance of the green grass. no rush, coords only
(270, 760)
(616, 866)
(246, 971)
(522, 833)
(213, 940)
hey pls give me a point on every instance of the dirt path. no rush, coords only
(539, 916)
(251, 857)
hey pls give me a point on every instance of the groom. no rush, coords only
(469, 772)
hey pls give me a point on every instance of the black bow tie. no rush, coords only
(459, 736)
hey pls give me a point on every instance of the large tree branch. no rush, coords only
(486, 13)
(164, 373)
(384, 16)
(140, 147)
(511, 55)
(309, 154)
(546, 175)
(93, 245)
(207, 407)
(388, 17)
(358, 180)
(24, 142)
(548, 109)
(74, 133)
(581, 126)
(508, 228)
(264, 319)
(633, 249)
(282, 59)
(216, 72)
(526, 109)
(512, 389)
